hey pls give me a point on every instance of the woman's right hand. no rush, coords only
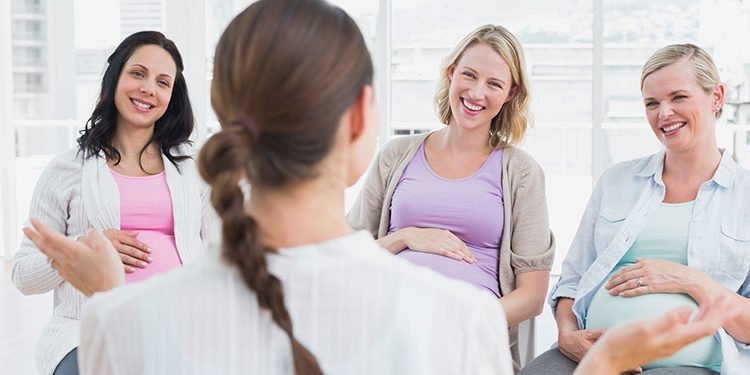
(575, 344)
(89, 264)
(438, 241)
(133, 253)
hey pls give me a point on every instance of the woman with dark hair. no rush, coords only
(131, 176)
(293, 288)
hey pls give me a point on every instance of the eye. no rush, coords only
(468, 75)
(680, 97)
(497, 85)
(137, 74)
(164, 83)
(652, 104)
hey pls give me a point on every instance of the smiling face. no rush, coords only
(145, 87)
(680, 112)
(480, 84)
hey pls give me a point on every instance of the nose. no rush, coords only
(476, 91)
(665, 111)
(148, 87)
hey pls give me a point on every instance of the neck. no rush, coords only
(305, 213)
(699, 163)
(455, 139)
(129, 140)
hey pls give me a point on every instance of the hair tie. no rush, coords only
(248, 124)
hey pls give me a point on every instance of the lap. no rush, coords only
(679, 371)
(551, 362)
(69, 364)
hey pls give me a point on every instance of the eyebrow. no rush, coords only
(491, 78)
(146, 69)
(673, 93)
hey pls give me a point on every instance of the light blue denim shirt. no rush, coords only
(623, 200)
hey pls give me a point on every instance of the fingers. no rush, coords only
(131, 241)
(129, 263)
(47, 240)
(460, 247)
(622, 276)
(131, 257)
(674, 317)
(594, 334)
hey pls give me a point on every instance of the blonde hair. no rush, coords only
(705, 70)
(509, 126)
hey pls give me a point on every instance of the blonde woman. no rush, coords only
(667, 230)
(464, 200)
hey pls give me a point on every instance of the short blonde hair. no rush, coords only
(509, 126)
(705, 70)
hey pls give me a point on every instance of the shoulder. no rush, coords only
(521, 169)
(399, 146)
(64, 166)
(517, 159)
(627, 170)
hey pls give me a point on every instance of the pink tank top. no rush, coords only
(146, 207)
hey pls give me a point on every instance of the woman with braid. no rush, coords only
(292, 289)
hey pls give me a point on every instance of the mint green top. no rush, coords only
(664, 237)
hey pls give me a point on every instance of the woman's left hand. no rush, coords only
(653, 276)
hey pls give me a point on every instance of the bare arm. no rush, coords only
(739, 326)
(574, 343)
(527, 300)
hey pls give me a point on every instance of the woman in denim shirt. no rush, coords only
(663, 231)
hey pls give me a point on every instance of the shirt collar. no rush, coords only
(724, 175)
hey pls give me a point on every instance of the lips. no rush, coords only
(471, 106)
(671, 128)
(142, 105)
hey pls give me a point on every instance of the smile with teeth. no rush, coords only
(141, 104)
(470, 106)
(673, 127)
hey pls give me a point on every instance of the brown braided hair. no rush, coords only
(285, 71)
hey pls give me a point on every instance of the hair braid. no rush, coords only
(241, 242)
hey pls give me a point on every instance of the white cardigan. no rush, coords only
(75, 194)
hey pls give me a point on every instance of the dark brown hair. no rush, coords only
(171, 130)
(285, 71)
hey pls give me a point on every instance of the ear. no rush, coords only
(512, 93)
(717, 98)
(359, 114)
(451, 70)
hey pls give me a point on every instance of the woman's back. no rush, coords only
(357, 308)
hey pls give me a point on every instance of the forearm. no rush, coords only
(707, 288)
(527, 300)
(396, 241)
(566, 320)
(32, 274)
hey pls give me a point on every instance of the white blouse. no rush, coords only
(356, 307)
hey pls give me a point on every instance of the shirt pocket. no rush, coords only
(607, 225)
(734, 254)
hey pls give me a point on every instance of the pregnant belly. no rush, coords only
(606, 311)
(456, 269)
(163, 253)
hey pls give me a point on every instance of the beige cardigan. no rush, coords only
(527, 243)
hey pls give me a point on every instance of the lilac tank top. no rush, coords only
(146, 207)
(470, 207)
